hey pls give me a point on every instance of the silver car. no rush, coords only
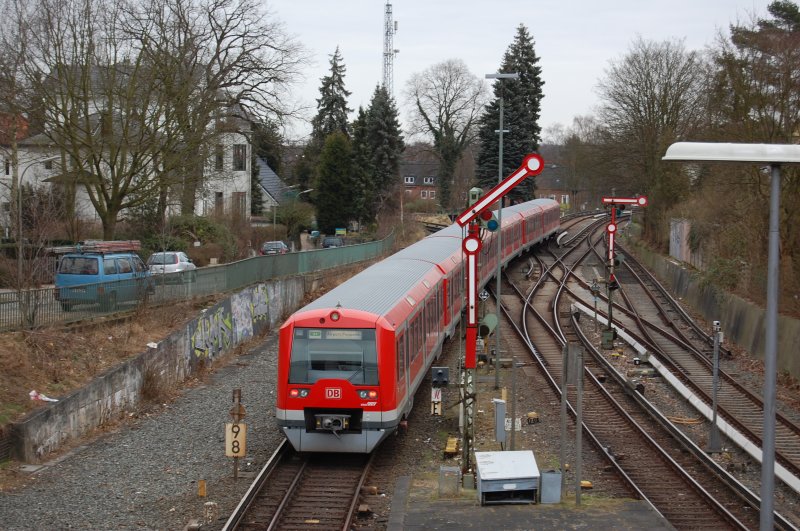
(172, 262)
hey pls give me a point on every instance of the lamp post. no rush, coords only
(775, 155)
(501, 77)
(296, 198)
(284, 192)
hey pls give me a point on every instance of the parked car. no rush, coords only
(101, 273)
(165, 262)
(332, 241)
(274, 248)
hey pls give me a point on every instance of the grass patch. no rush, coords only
(9, 412)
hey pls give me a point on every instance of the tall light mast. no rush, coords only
(389, 29)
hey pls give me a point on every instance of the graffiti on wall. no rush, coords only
(213, 332)
(240, 308)
(259, 309)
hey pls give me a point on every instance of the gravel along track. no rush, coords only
(145, 475)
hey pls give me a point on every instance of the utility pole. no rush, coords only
(501, 77)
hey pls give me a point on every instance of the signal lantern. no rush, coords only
(489, 221)
(613, 284)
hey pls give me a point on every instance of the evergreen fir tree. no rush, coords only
(256, 197)
(386, 148)
(336, 187)
(362, 164)
(521, 109)
(332, 107)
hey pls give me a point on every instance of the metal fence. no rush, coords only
(33, 308)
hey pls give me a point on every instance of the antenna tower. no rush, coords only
(390, 28)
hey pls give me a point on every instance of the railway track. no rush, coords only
(299, 491)
(653, 318)
(660, 464)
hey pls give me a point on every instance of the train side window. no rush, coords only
(401, 357)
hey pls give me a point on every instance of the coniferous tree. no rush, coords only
(521, 109)
(332, 107)
(336, 187)
(385, 147)
(362, 163)
(331, 117)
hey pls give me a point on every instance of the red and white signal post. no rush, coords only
(532, 165)
(611, 229)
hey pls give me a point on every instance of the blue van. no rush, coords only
(102, 273)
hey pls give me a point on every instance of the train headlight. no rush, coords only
(365, 394)
(298, 393)
(335, 316)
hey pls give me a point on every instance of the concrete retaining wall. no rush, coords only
(214, 332)
(742, 322)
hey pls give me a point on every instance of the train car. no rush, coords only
(350, 362)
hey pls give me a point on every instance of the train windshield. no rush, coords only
(343, 353)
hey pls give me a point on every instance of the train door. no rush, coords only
(401, 350)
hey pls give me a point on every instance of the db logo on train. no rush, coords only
(333, 393)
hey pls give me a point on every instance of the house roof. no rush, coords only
(270, 182)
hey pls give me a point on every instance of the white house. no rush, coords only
(225, 191)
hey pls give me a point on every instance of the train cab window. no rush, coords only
(347, 354)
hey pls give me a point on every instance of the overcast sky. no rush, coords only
(575, 40)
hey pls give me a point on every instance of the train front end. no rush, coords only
(329, 393)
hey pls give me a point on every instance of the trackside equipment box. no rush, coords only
(507, 477)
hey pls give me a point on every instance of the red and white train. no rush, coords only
(350, 362)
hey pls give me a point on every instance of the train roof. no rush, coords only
(376, 289)
(434, 248)
(530, 205)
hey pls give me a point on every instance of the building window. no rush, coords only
(423, 194)
(8, 167)
(48, 164)
(564, 199)
(428, 180)
(239, 205)
(407, 192)
(552, 196)
(432, 195)
(239, 157)
(219, 157)
(219, 203)
(410, 179)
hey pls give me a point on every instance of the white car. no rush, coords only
(171, 262)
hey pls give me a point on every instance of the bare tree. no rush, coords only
(580, 154)
(652, 97)
(446, 101)
(218, 61)
(136, 92)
